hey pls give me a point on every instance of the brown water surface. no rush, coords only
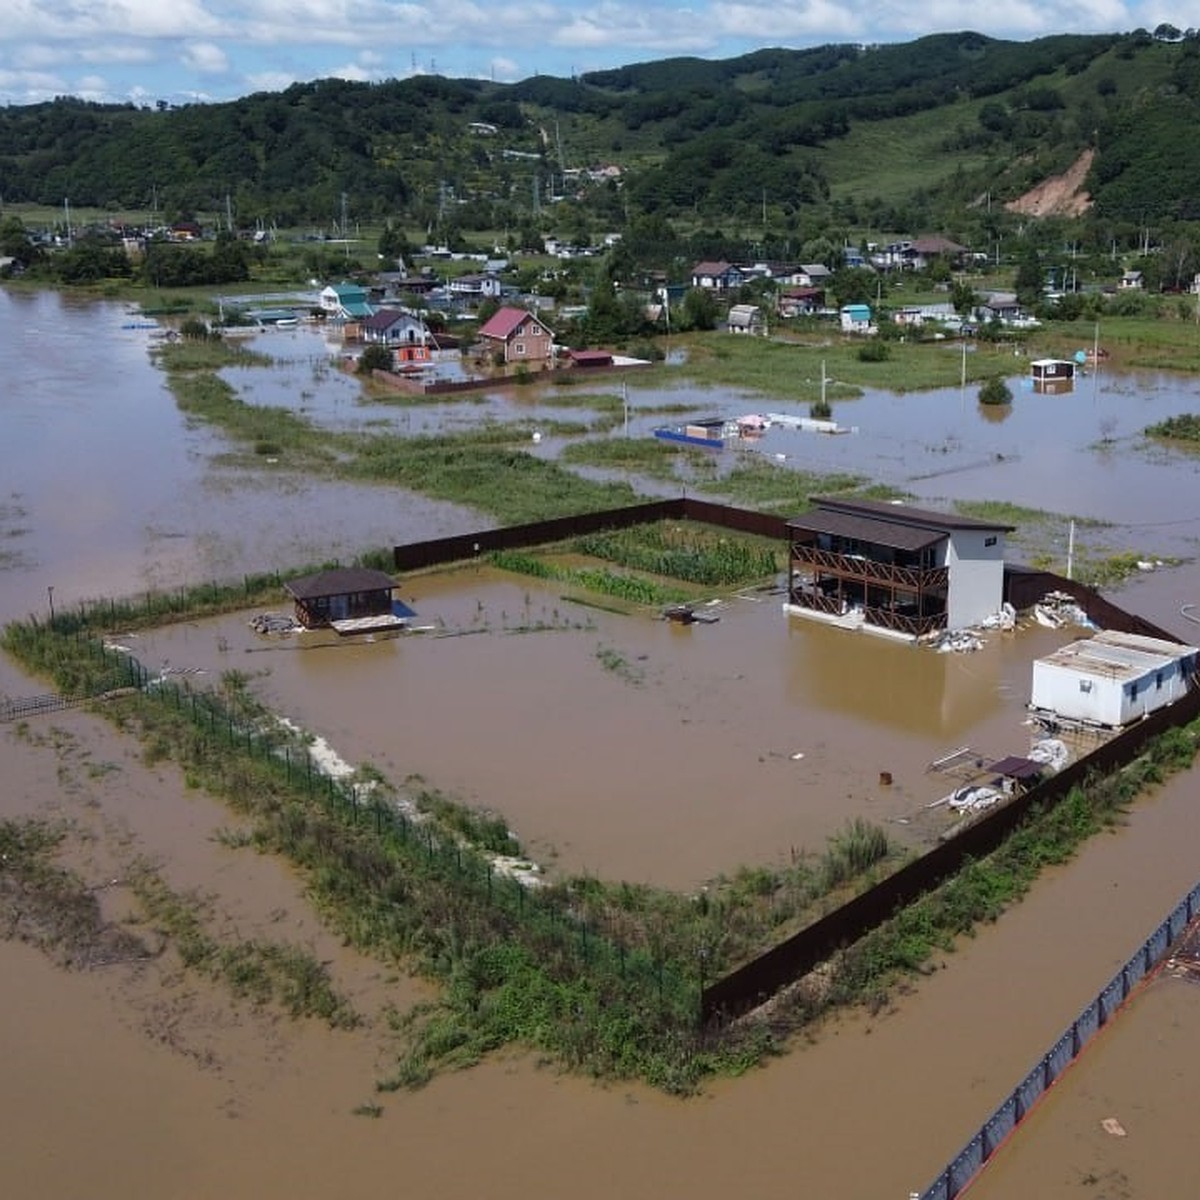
(141, 1080)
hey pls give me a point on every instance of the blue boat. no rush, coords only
(708, 432)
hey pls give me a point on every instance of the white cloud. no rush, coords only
(178, 47)
(59, 20)
(271, 81)
(92, 87)
(126, 53)
(205, 58)
(354, 72)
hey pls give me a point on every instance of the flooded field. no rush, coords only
(632, 747)
(147, 1080)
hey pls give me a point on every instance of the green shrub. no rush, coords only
(995, 391)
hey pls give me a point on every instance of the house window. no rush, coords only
(1158, 681)
(989, 541)
(1133, 691)
(519, 348)
(1085, 685)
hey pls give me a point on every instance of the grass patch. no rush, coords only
(1182, 428)
(45, 905)
(650, 457)
(484, 469)
(260, 971)
(631, 588)
(763, 485)
(686, 551)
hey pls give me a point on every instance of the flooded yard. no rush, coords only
(632, 747)
(620, 745)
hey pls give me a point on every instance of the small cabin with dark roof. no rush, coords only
(347, 599)
(910, 571)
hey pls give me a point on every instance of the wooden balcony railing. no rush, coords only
(905, 622)
(852, 566)
(884, 618)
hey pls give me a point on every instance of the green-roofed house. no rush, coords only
(346, 302)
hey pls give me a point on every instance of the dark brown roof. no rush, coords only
(1016, 767)
(907, 514)
(867, 529)
(896, 525)
(339, 581)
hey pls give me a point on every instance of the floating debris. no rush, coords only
(277, 623)
(1004, 620)
(1057, 610)
(958, 641)
(1051, 752)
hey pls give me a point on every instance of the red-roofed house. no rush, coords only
(519, 335)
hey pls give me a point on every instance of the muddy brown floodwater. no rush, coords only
(142, 1080)
(631, 747)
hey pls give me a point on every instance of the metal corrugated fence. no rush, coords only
(970, 1160)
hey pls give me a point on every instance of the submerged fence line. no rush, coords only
(416, 844)
(961, 1171)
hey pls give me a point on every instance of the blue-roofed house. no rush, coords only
(856, 318)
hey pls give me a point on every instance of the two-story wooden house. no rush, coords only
(891, 567)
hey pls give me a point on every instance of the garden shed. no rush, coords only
(348, 599)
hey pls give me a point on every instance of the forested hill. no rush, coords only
(898, 135)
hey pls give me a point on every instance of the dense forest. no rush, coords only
(932, 133)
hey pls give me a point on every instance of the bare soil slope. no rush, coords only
(1060, 195)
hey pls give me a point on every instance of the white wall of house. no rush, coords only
(1075, 696)
(975, 558)
(1077, 692)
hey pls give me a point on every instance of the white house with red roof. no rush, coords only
(519, 335)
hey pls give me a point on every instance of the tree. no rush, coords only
(699, 309)
(393, 244)
(852, 285)
(995, 391)
(1030, 275)
(963, 297)
(375, 358)
(15, 242)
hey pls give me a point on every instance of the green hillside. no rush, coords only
(929, 133)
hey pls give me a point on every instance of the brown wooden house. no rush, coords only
(346, 598)
(890, 566)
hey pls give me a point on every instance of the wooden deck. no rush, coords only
(377, 624)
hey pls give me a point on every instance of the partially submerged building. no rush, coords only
(1052, 374)
(894, 568)
(347, 599)
(1111, 679)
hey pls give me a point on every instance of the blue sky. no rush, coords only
(181, 50)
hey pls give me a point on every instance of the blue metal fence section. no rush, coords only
(969, 1161)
